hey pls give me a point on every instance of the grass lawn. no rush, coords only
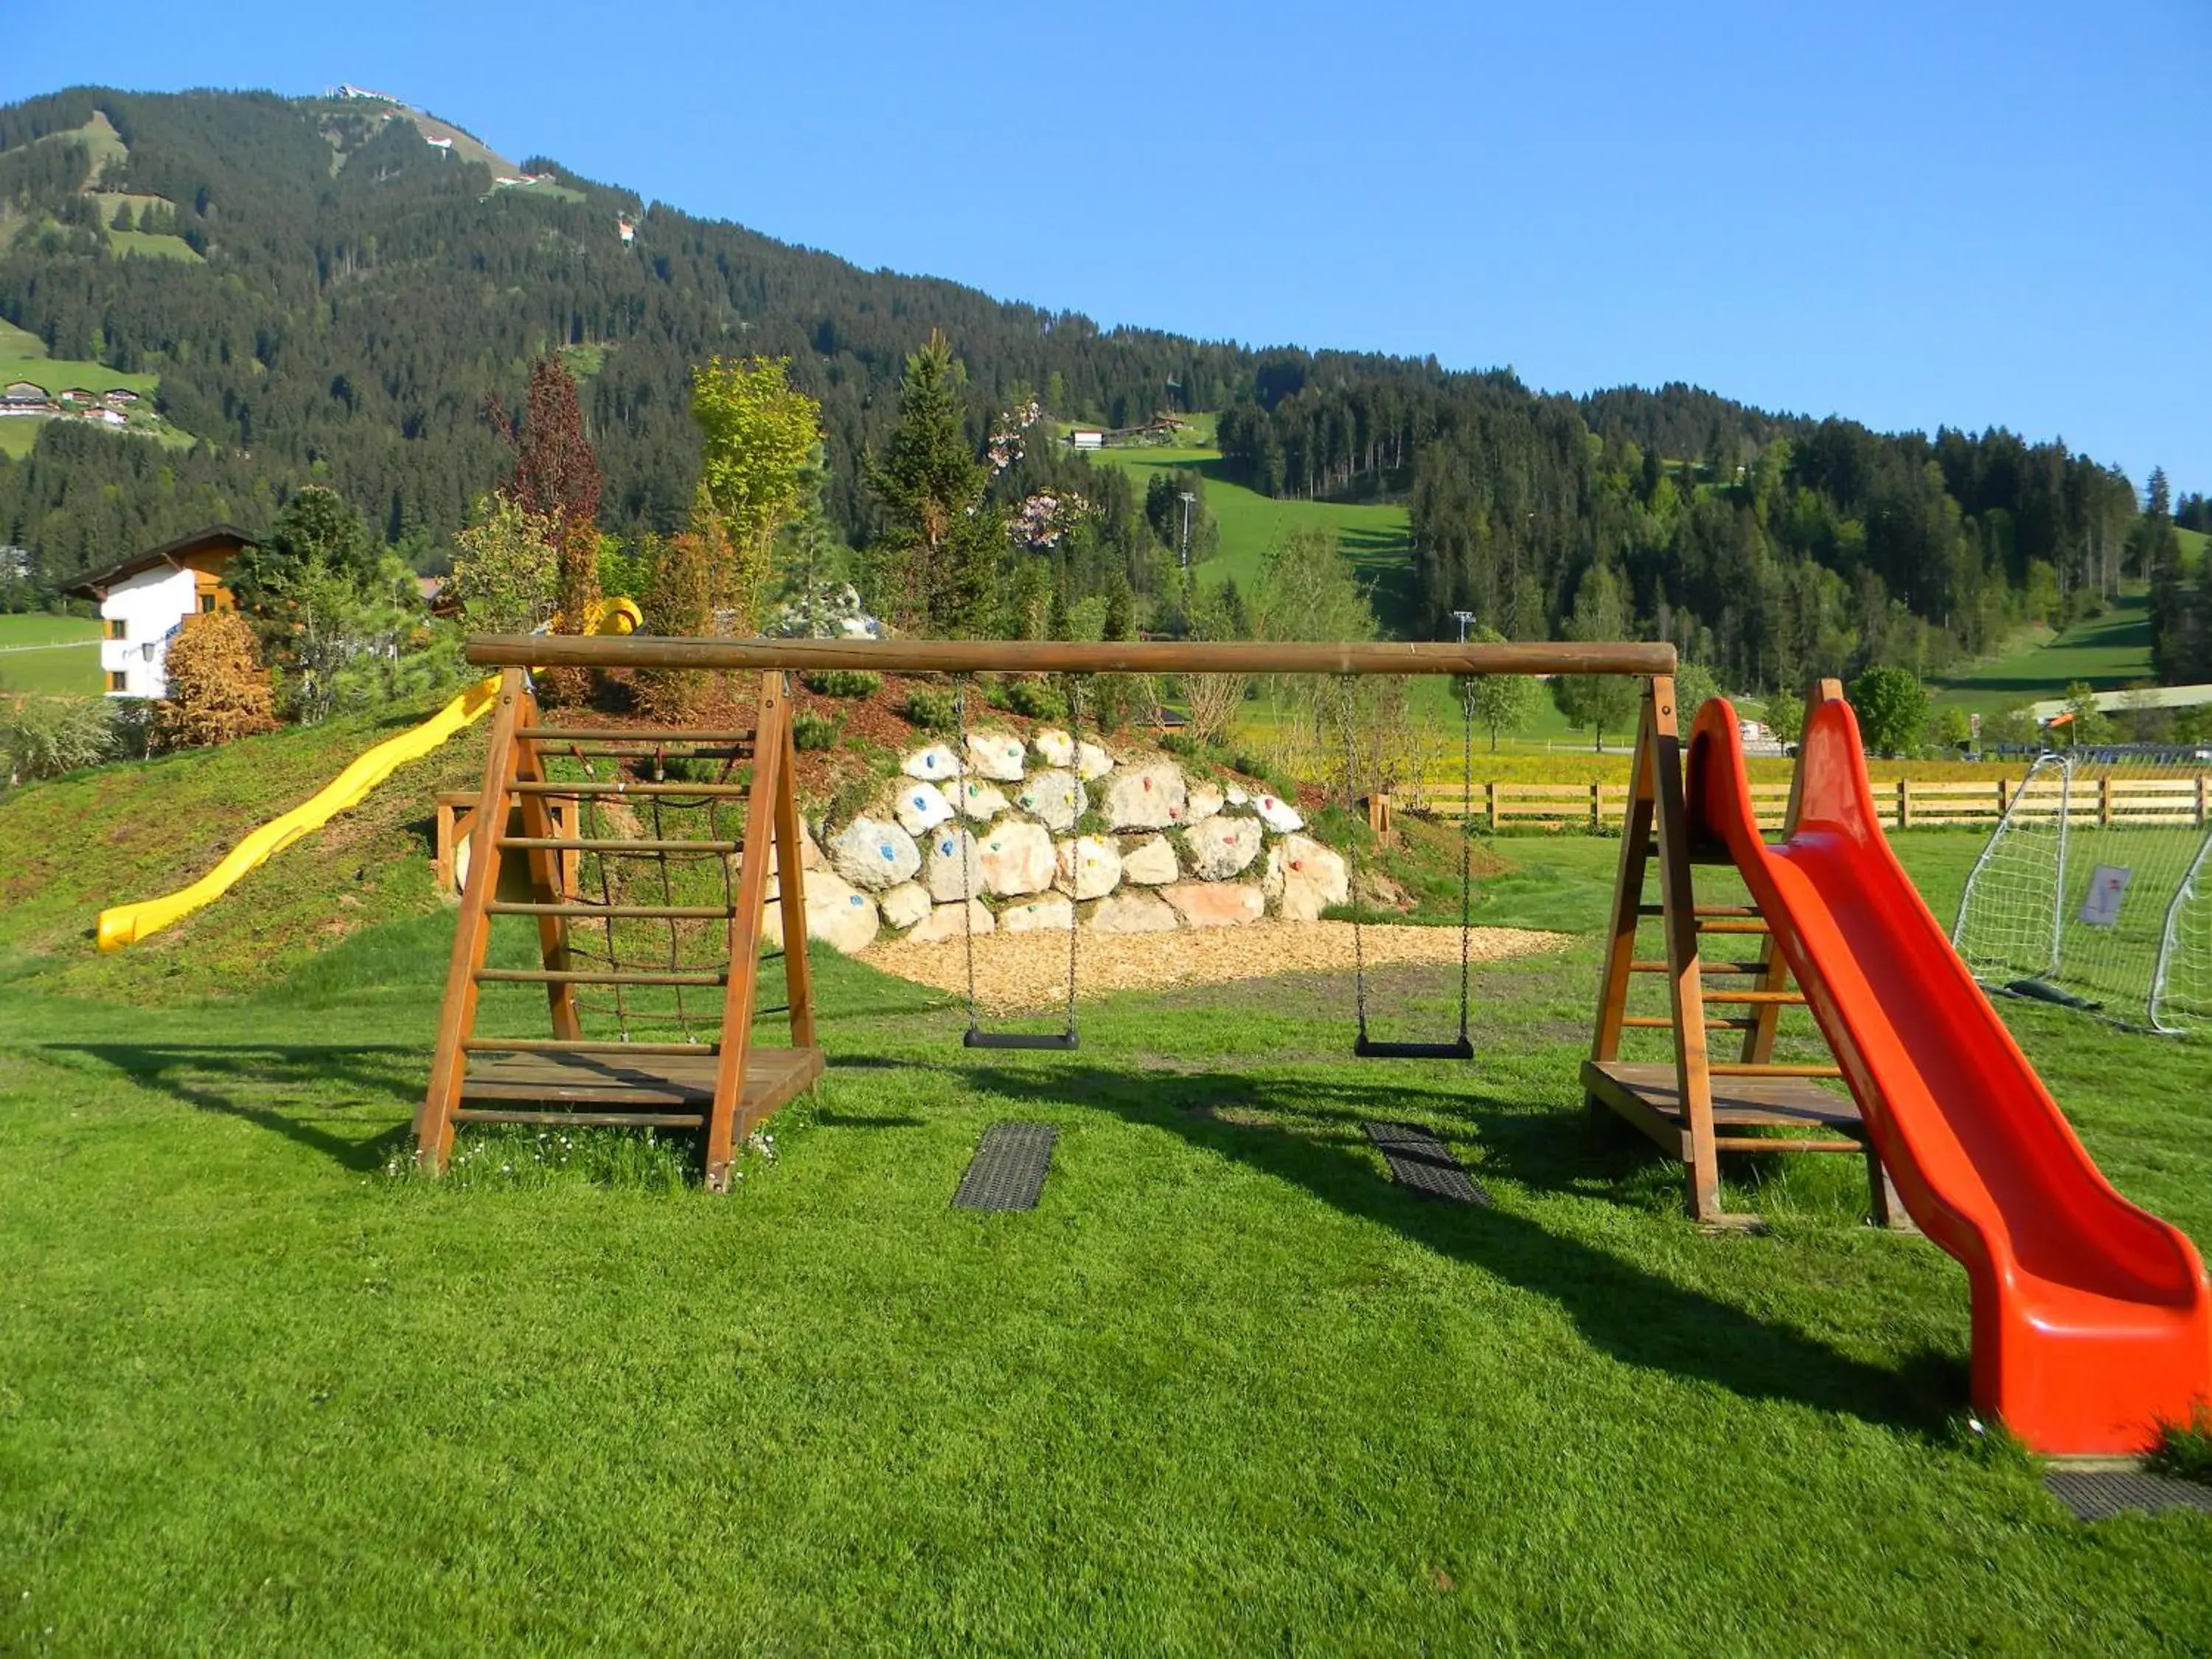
(1225, 1389)
(1374, 535)
(61, 373)
(2109, 651)
(46, 653)
(141, 243)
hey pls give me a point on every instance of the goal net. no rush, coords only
(2095, 889)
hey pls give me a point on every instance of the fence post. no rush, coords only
(2004, 795)
(2200, 800)
(2104, 800)
(1489, 804)
(1597, 805)
(1904, 805)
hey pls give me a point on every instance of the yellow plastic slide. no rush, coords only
(126, 924)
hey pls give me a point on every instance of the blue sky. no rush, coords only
(1909, 213)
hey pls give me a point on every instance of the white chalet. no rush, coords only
(144, 600)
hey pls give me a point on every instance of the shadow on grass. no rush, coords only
(1634, 1315)
(219, 1077)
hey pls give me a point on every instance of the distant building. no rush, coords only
(143, 600)
(78, 394)
(627, 231)
(24, 391)
(1087, 437)
(446, 145)
(121, 396)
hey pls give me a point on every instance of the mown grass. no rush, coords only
(47, 654)
(2108, 652)
(1226, 1390)
(1375, 536)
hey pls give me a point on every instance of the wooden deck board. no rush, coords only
(1636, 1088)
(773, 1076)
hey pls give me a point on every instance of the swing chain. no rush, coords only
(961, 841)
(1352, 843)
(1075, 852)
(1466, 847)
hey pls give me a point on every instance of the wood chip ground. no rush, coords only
(1023, 971)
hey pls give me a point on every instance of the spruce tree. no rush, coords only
(935, 565)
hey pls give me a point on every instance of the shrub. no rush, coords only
(810, 731)
(2185, 1448)
(46, 736)
(842, 682)
(931, 711)
(1039, 700)
(218, 689)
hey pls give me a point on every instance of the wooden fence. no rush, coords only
(1905, 803)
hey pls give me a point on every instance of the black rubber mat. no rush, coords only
(2100, 1494)
(1421, 1164)
(1008, 1170)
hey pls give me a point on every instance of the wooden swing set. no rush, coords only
(717, 1080)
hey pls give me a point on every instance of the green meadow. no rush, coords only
(49, 655)
(2109, 651)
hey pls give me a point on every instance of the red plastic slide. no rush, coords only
(2092, 1320)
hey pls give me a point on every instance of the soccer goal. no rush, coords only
(2095, 889)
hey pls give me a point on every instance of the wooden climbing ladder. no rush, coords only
(723, 1087)
(1697, 1107)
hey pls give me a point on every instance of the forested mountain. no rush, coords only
(345, 295)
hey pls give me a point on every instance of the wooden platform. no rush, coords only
(1649, 1097)
(660, 1090)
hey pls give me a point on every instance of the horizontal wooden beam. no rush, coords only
(1069, 657)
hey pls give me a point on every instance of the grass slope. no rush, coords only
(49, 655)
(2108, 651)
(1226, 1390)
(1375, 536)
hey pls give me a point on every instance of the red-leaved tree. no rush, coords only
(557, 476)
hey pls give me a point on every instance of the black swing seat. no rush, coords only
(1060, 1042)
(1367, 1048)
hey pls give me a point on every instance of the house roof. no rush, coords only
(94, 585)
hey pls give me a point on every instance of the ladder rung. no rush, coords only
(1755, 925)
(1704, 965)
(591, 844)
(1702, 909)
(778, 1008)
(1758, 998)
(1660, 1023)
(615, 912)
(1768, 1068)
(568, 1046)
(591, 976)
(582, 1120)
(632, 734)
(1756, 1144)
(551, 787)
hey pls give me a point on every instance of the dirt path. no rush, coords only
(1019, 971)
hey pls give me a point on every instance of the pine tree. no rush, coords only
(935, 565)
(556, 476)
(1602, 702)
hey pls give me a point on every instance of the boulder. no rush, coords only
(838, 914)
(980, 801)
(1056, 797)
(1048, 913)
(1053, 748)
(905, 904)
(1089, 867)
(1017, 858)
(1206, 800)
(995, 754)
(1222, 848)
(1132, 913)
(1277, 814)
(1312, 877)
(1149, 797)
(1151, 863)
(1091, 762)
(1271, 872)
(948, 850)
(933, 764)
(874, 854)
(921, 807)
(1217, 904)
(1236, 796)
(944, 922)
